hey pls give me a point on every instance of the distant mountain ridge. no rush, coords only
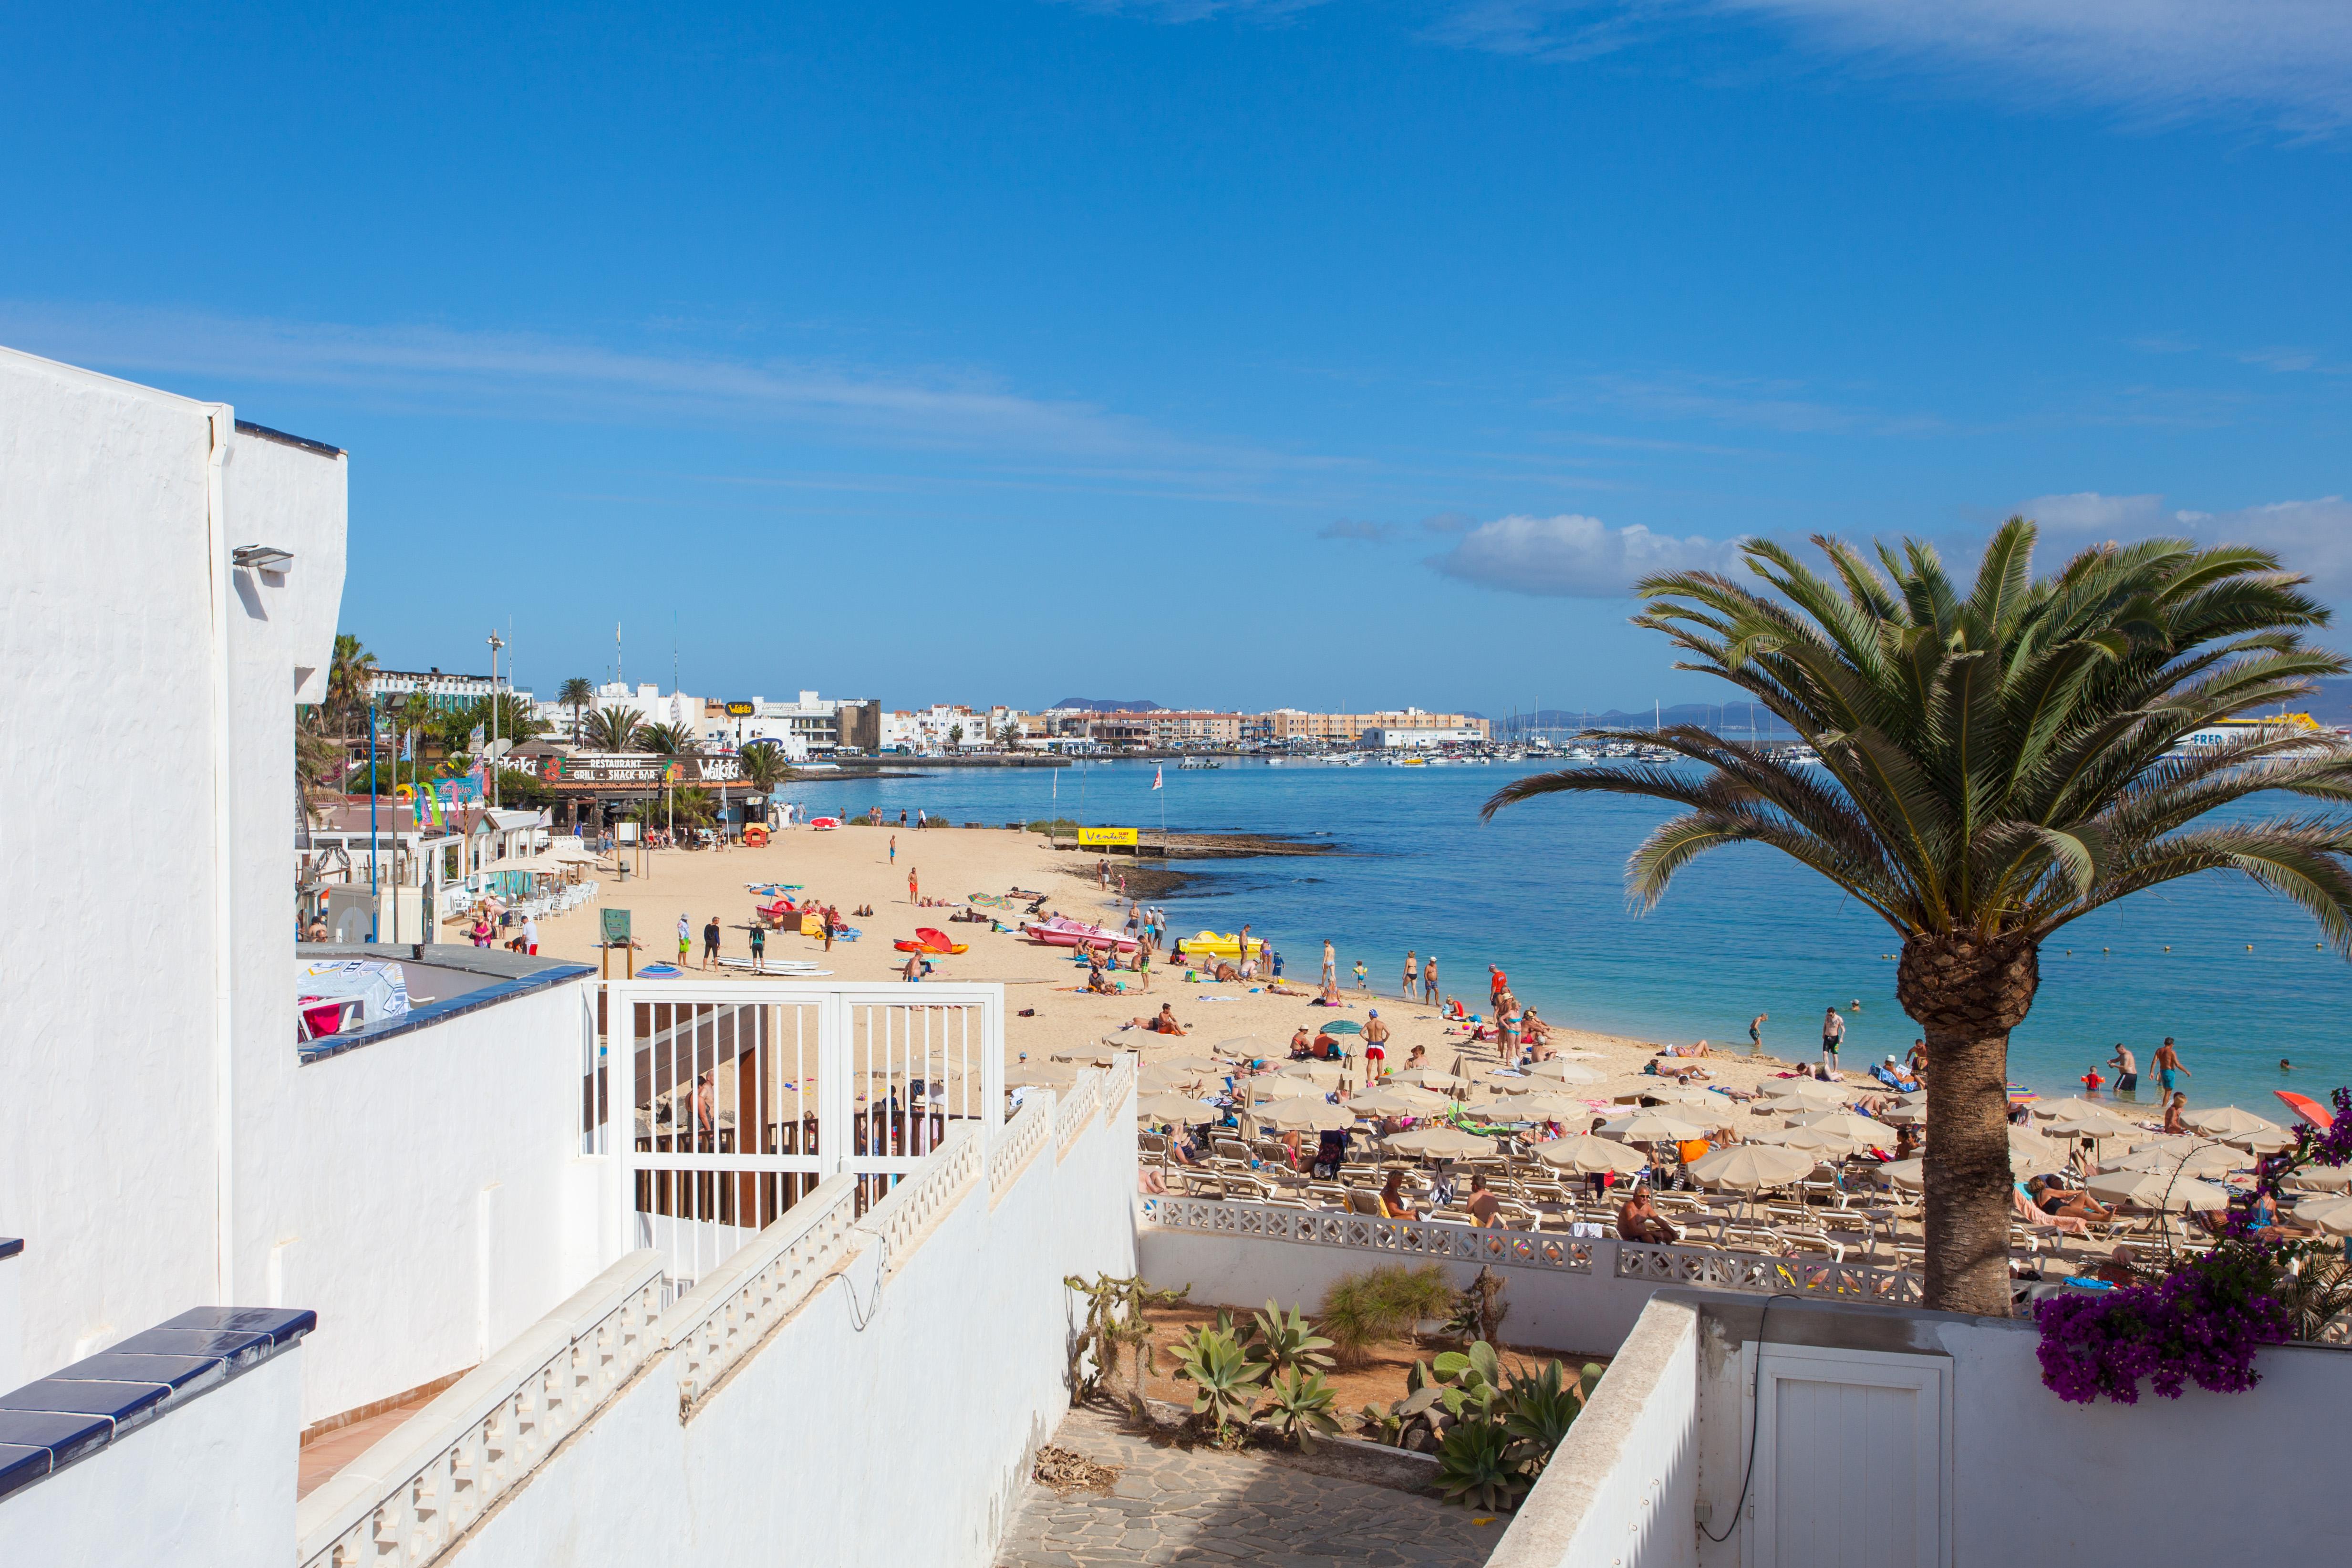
(1108, 705)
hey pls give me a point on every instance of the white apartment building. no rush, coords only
(929, 729)
(446, 693)
(1382, 738)
(809, 725)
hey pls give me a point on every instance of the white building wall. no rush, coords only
(110, 1136)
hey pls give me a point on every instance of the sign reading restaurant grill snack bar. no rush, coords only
(1107, 837)
(639, 768)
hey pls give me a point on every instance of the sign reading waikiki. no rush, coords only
(1105, 837)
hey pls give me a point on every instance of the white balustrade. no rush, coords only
(916, 1201)
(1021, 1138)
(1076, 1110)
(732, 1308)
(1760, 1273)
(1437, 1240)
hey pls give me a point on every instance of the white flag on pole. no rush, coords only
(1155, 775)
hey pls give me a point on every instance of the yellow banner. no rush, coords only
(1124, 837)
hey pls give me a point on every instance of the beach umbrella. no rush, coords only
(2204, 1159)
(1845, 1123)
(2277, 1140)
(1588, 1155)
(1274, 1085)
(2330, 1213)
(1747, 1167)
(1543, 1107)
(2332, 1178)
(1400, 1100)
(1247, 1047)
(1440, 1141)
(1101, 1056)
(1428, 1078)
(2157, 1189)
(1039, 1075)
(1341, 1027)
(1905, 1173)
(1328, 1074)
(1904, 1114)
(1818, 1139)
(2073, 1107)
(1196, 1065)
(1651, 1127)
(2030, 1151)
(1176, 1107)
(2229, 1121)
(1560, 1071)
(1309, 1115)
(1684, 1094)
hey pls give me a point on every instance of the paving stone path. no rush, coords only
(1232, 1511)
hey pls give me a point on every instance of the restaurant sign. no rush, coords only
(639, 768)
(740, 710)
(1107, 837)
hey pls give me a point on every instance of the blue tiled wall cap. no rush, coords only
(282, 1324)
(240, 1348)
(58, 1440)
(124, 1403)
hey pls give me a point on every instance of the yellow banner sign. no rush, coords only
(1124, 837)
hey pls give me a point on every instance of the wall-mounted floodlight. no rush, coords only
(262, 557)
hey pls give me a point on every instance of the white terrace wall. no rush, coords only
(891, 1418)
(122, 1099)
(428, 1197)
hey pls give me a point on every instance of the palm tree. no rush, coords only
(665, 740)
(1996, 765)
(615, 729)
(955, 737)
(575, 694)
(765, 766)
(348, 672)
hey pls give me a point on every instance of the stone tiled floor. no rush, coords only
(1234, 1511)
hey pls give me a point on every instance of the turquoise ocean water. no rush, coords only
(1540, 890)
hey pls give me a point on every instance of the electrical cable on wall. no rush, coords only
(859, 1316)
(1755, 1409)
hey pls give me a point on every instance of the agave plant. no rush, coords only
(1473, 1381)
(1540, 1409)
(1299, 1403)
(1286, 1344)
(1474, 1465)
(1224, 1380)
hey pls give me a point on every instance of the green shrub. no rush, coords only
(1387, 1303)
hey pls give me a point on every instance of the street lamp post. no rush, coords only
(496, 642)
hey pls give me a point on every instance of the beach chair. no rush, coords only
(1452, 1217)
(1364, 1201)
(1518, 1217)
(1814, 1242)
(1232, 1149)
(1329, 1194)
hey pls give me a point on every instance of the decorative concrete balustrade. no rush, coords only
(1405, 1238)
(1077, 1110)
(1022, 1136)
(730, 1311)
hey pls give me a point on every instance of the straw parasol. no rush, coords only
(1309, 1115)
(1845, 1123)
(2229, 1121)
(2157, 1189)
(1651, 1127)
(1400, 1100)
(2333, 1215)
(1440, 1141)
(1747, 1167)
(1589, 1155)
(1175, 1108)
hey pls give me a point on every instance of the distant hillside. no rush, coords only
(1109, 704)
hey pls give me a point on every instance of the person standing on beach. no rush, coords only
(894, 849)
(1330, 965)
(759, 948)
(1412, 973)
(1832, 1036)
(1498, 985)
(685, 940)
(2126, 1068)
(914, 885)
(1361, 983)
(710, 943)
(1429, 982)
(1756, 1032)
(2167, 1062)
(1376, 1045)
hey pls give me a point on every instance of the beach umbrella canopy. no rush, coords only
(1177, 1108)
(2030, 1151)
(1543, 1107)
(1328, 1074)
(1427, 1077)
(1100, 1055)
(1440, 1141)
(1309, 1115)
(1274, 1085)
(1400, 1100)
(1651, 1127)
(2204, 1159)
(1341, 1027)
(1815, 1090)
(1560, 1071)
(1817, 1140)
(1039, 1075)
(1684, 1094)
(1845, 1123)
(2073, 1107)
(2097, 1123)
(1588, 1155)
(1905, 1173)
(2157, 1189)
(1196, 1065)
(2333, 1215)
(2278, 1139)
(1748, 1167)
(1247, 1046)
(2334, 1178)
(2229, 1121)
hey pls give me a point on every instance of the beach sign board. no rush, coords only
(616, 927)
(1107, 837)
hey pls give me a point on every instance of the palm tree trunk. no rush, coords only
(1967, 996)
(1966, 1164)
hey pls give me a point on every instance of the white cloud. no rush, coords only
(1571, 556)
(2287, 60)
(2313, 537)
(531, 375)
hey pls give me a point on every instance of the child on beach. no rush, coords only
(1359, 976)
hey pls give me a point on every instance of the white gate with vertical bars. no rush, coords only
(727, 1100)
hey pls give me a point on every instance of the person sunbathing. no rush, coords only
(1638, 1219)
(2055, 1200)
(1394, 1205)
(2030, 1212)
(1164, 1022)
(1302, 1045)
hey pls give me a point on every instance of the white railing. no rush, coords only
(1076, 1110)
(725, 1316)
(1762, 1274)
(1120, 1083)
(916, 1203)
(408, 1498)
(1433, 1240)
(1021, 1138)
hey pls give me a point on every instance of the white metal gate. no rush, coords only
(1852, 1460)
(731, 1098)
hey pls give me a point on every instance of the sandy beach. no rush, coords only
(851, 867)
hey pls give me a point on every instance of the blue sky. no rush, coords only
(1333, 354)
